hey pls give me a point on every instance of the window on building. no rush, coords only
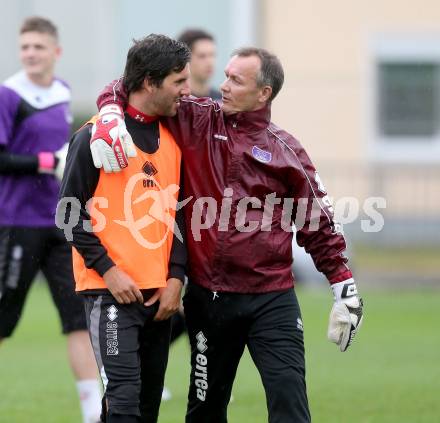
(404, 98)
(408, 100)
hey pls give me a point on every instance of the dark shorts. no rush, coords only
(131, 351)
(24, 252)
(220, 326)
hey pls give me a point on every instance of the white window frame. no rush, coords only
(399, 49)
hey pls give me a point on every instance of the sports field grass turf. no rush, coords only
(391, 374)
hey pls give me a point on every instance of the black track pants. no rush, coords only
(220, 326)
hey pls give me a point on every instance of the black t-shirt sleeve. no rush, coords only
(78, 186)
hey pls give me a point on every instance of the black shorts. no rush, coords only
(25, 251)
(220, 326)
(131, 350)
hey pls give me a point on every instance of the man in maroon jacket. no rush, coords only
(247, 181)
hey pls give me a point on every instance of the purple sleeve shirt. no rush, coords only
(33, 119)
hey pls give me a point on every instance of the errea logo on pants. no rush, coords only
(201, 367)
(112, 331)
(112, 313)
(201, 342)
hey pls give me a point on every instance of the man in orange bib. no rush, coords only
(128, 242)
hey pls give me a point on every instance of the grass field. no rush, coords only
(391, 374)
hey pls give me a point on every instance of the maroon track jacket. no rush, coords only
(238, 240)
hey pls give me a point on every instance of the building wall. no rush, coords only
(325, 48)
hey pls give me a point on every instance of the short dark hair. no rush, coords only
(271, 72)
(38, 24)
(191, 35)
(153, 58)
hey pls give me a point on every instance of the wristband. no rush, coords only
(46, 161)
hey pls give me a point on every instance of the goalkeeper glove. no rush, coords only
(346, 315)
(111, 144)
(53, 163)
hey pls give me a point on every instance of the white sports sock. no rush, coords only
(89, 393)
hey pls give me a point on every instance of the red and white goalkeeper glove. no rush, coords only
(111, 144)
(346, 315)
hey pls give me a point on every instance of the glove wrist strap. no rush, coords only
(344, 289)
(111, 109)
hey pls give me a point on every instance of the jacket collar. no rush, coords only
(250, 122)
